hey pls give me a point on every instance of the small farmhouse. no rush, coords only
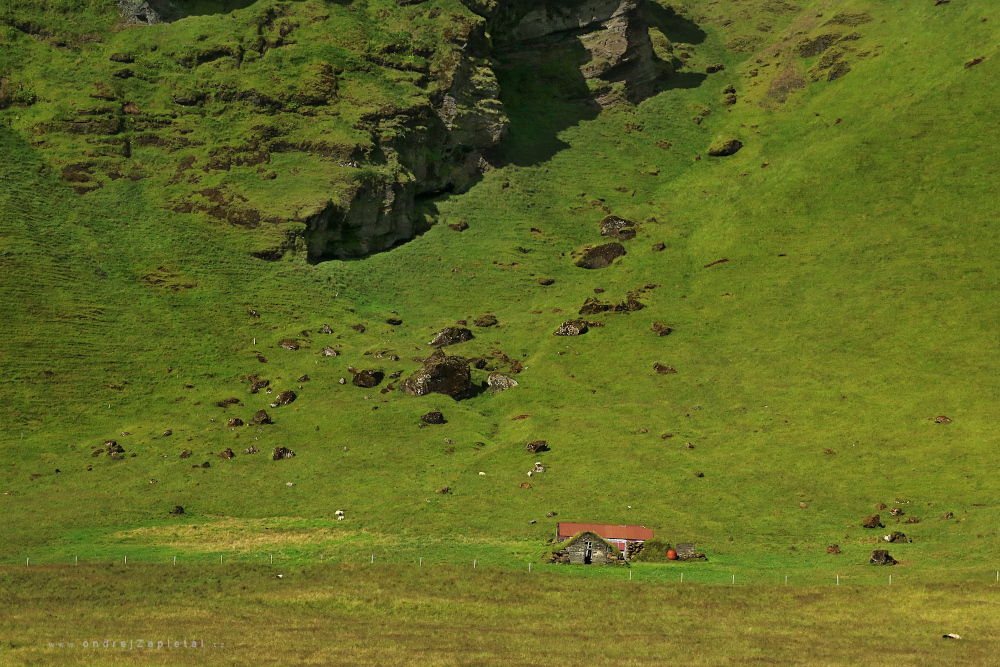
(586, 548)
(625, 538)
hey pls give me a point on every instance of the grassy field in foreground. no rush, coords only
(450, 616)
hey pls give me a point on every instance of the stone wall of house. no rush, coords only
(575, 552)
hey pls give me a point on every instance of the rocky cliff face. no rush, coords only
(467, 121)
(315, 133)
(613, 33)
(439, 147)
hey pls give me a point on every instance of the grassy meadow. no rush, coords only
(451, 616)
(857, 303)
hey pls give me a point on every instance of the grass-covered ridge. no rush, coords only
(856, 305)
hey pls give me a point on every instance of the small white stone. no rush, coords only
(482, 473)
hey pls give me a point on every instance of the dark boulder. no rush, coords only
(602, 256)
(571, 328)
(260, 417)
(177, 510)
(304, 378)
(433, 418)
(257, 383)
(873, 521)
(881, 557)
(612, 226)
(367, 378)
(626, 234)
(897, 537)
(486, 320)
(286, 397)
(440, 374)
(657, 247)
(725, 146)
(594, 306)
(460, 226)
(330, 352)
(280, 453)
(114, 448)
(234, 422)
(537, 446)
(546, 281)
(289, 344)
(394, 321)
(226, 453)
(833, 549)
(450, 336)
(663, 369)
(185, 454)
(661, 329)
(327, 329)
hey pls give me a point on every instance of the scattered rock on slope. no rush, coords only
(881, 557)
(440, 374)
(571, 328)
(367, 378)
(260, 417)
(613, 224)
(433, 418)
(602, 256)
(725, 146)
(661, 329)
(485, 320)
(280, 453)
(450, 336)
(499, 382)
(537, 446)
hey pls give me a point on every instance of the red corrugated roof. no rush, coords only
(607, 531)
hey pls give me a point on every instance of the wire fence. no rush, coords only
(679, 573)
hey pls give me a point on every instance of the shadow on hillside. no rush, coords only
(674, 27)
(543, 93)
(681, 80)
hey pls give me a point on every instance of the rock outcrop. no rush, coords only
(440, 374)
(613, 33)
(408, 114)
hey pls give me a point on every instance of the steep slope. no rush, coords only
(855, 306)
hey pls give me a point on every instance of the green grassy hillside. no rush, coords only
(856, 305)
